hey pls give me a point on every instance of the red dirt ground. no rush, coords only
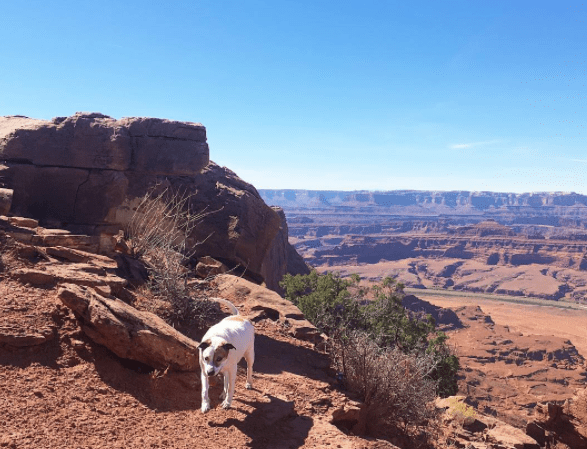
(71, 393)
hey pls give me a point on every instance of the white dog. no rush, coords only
(221, 349)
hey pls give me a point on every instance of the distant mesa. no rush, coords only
(484, 229)
(426, 202)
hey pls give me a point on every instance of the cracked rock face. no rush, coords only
(57, 167)
(96, 141)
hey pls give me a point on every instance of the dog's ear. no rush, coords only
(204, 344)
(228, 346)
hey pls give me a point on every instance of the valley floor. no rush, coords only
(529, 319)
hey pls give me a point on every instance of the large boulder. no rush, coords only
(57, 167)
(88, 172)
(96, 141)
(238, 227)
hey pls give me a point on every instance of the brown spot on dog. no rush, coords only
(221, 354)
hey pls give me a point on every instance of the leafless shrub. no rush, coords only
(395, 387)
(157, 234)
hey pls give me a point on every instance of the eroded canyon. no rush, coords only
(503, 243)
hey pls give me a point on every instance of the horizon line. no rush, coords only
(554, 192)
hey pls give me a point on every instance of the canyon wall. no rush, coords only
(552, 209)
(532, 244)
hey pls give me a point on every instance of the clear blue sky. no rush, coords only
(347, 95)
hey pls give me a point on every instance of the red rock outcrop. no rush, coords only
(86, 173)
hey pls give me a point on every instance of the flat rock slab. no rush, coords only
(96, 141)
(79, 256)
(22, 338)
(74, 273)
(509, 437)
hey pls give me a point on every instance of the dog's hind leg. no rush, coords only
(224, 393)
(250, 358)
(230, 373)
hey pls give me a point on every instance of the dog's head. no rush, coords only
(213, 357)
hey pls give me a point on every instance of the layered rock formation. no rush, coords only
(282, 257)
(532, 244)
(87, 173)
(79, 170)
(537, 208)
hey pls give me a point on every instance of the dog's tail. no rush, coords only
(228, 304)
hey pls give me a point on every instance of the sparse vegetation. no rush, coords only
(157, 235)
(459, 410)
(382, 350)
(395, 386)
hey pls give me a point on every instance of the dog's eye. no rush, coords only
(219, 359)
(207, 359)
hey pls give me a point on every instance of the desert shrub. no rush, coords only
(375, 320)
(325, 300)
(446, 365)
(395, 386)
(157, 235)
(459, 410)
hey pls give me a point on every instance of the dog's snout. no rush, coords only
(210, 372)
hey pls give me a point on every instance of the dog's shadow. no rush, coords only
(271, 424)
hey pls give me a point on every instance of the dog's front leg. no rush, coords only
(230, 374)
(205, 386)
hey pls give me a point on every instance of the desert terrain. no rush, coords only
(87, 359)
(511, 244)
(507, 269)
(59, 388)
(513, 355)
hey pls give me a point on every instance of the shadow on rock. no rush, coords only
(159, 390)
(167, 391)
(445, 318)
(273, 424)
(22, 356)
(275, 356)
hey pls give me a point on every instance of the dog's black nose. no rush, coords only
(210, 372)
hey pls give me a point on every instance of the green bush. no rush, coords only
(340, 307)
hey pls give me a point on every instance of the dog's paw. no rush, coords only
(205, 407)
(226, 405)
(248, 386)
